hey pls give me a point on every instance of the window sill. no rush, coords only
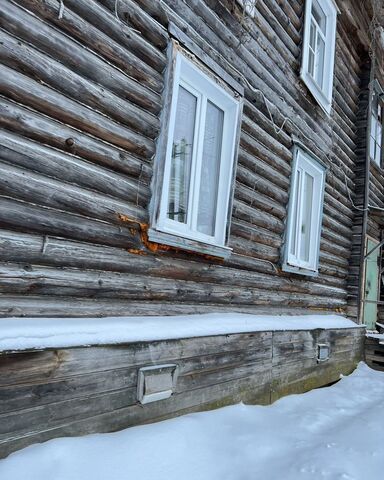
(378, 166)
(299, 270)
(188, 244)
(317, 94)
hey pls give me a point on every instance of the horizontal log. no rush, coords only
(259, 201)
(46, 131)
(249, 214)
(19, 151)
(47, 101)
(67, 282)
(136, 18)
(25, 59)
(58, 194)
(115, 28)
(17, 247)
(46, 221)
(96, 40)
(62, 48)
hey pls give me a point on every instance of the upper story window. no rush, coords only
(305, 214)
(199, 160)
(376, 130)
(319, 50)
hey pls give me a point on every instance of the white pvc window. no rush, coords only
(305, 212)
(199, 157)
(319, 50)
(376, 130)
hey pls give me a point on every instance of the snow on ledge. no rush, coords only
(378, 336)
(38, 333)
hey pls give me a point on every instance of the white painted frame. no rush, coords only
(377, 92)
(304, 163)
(187, 75)
(323, 95)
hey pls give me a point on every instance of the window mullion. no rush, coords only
(197, 163)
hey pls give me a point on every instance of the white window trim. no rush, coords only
(195, 80)
(322, 96)
(376, 91)
(304, 161)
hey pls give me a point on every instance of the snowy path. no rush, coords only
(333, 433)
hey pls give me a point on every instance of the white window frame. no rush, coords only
(377, 92)
(305, 163)
(193, 79)
(323, 95)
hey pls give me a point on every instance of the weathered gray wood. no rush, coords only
(96, 39)
(51, 306)
(40, 367)
(46, 131)
(25, 59)
(131, 13)
(67, 282)
(30, 93)
(84, 390)
(40, 190)
(262, 188)
(75, 56)
(19, 151)
(19, 215)
(105, 21)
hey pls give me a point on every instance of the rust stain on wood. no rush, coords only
(154, 247)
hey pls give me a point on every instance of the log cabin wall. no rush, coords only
(374, 203)
(81, 95)
(356, 266)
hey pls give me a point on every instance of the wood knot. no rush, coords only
(70, 142)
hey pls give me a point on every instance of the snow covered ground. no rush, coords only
(332, 433)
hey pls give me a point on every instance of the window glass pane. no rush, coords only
(373, 125)
(378, 143)
(306, 217)
(320, 49)
(372, 147)
(210, 170)
(312, 36)
(311, 50)
(295, 215)
(182, 156)
(379, 134)
(319, 15)
(311, 63)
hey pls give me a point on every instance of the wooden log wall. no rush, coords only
(80, 102)
(374, 353)
(76, 391)
(356, 266)
(375, 177)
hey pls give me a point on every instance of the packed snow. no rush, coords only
(334, 433)
(28, 333)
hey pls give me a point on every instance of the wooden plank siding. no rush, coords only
(374, 353)
(75, 391)
(80, 105)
